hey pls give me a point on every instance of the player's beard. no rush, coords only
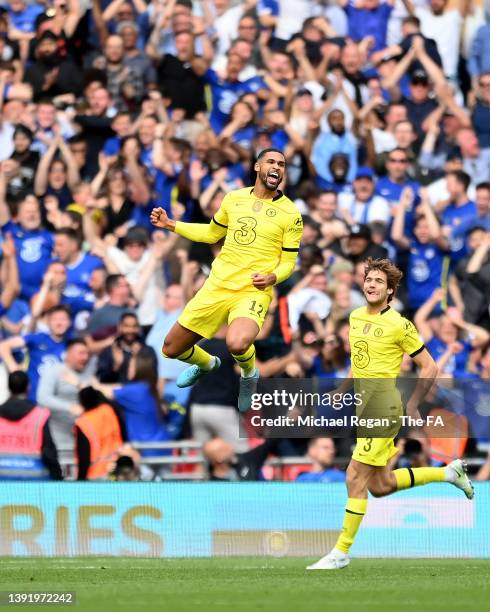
(375, 302)
(270, 187)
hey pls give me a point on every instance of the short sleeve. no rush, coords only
(293, 234)
(409, 339)
(221, 215)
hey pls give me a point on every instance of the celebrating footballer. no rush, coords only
(262, 229)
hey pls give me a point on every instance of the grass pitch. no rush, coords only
(250, 583)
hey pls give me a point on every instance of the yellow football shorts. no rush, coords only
(212, 307)
(381, 400)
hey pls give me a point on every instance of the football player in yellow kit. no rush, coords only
(379, 337)
(262, 229)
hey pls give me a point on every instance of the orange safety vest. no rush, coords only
(101, 428)
(21, 445)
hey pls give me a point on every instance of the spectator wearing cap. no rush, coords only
(425, 262)
(24, 155)
(419, 104)
(322, 452)
(327, 144)
(363, 205)
(50, 75)
(359, 245)
(457, 209)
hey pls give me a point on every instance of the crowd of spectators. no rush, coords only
(112, 107)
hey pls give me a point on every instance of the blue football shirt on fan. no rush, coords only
(33, 250)
(142, 415)
(424, 272)
(224, 95)
(453, 216)
(77, 293)
(43, 353)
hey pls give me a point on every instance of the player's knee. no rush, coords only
(169, 349)
(237, 346)
(377, 492)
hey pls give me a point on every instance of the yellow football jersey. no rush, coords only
(257, 233)
(379, 341)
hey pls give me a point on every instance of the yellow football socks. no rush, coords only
(246, 361)
(197, 356)
(354, 513)
(414, 477)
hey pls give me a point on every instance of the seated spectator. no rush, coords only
(44, 349)
(98, 436)
(322, 452)
(228, 466)
(58, 390)
(125, 470)
(113, 361)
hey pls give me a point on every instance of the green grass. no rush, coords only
(250, 583)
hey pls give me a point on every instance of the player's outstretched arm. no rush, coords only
(197, 232)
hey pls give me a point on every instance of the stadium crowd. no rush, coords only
(112, 107)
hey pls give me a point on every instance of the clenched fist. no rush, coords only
(159, 218)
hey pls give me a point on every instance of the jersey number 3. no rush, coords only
(361, 357)
(246, 235)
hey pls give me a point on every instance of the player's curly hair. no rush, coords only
(393, 274)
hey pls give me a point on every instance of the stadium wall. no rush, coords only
(210, 519)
